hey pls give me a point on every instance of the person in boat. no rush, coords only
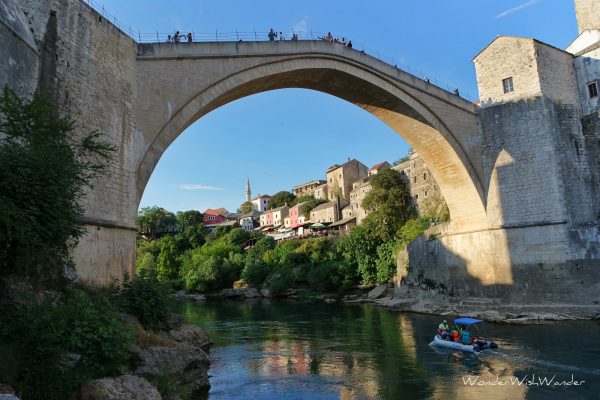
(465, 335)
(443, 330)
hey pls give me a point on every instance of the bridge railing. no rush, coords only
(254, 35)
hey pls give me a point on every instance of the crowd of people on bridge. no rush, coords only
(329, 38)
(177, 37)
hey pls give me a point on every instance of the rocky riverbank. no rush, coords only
(177, 358)
(422, 300)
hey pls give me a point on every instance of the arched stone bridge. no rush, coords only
(179, 83)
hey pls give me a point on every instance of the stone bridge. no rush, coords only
(510, 174)
(179, 83)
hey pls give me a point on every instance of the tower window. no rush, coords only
(507, 84)
(592, 89)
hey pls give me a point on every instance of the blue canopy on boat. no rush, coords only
(466, 321)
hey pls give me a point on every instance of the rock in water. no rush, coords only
(378, 292)
(191, 334)
(126, 387)
(187, 363)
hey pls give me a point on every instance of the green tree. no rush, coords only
(280, 199)
(190, 225)
(359, 250)
(154, 221)
(246, 207)
(388, 203)
(45, 167)
(168, 264)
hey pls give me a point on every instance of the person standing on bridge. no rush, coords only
(349, 44)
(189, 37)
(272, 35)
(456, 92)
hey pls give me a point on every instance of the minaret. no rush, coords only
(248, 189)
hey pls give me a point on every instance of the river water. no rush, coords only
(288, 350)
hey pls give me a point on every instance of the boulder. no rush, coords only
(126, 387)
(266, 293)
(251, 293)
(188, 364)
(378, 292)
(191, 334)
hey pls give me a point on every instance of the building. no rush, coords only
(266, 219)
(215, 216)
(250, 221)
(261, 202)
(307, 189)
(378, 168)
(424, 190)
(279, 214)
(360, 189)
(539, 121)
(296, 217)
(341, 177)
(328, 212)
(320, 192)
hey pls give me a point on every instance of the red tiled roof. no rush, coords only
(262, 196)
(217, 211)
(376, 166)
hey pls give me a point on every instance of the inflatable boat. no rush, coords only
(463, 326)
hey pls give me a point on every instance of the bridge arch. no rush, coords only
(432, 125)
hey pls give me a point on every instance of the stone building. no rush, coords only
(535, 96)
(328, 212)
(320, 192)
(426, 194)
(308, 188)
(341, 177)
(279, 215)
(424, 190)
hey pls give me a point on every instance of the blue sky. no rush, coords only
(270, 137)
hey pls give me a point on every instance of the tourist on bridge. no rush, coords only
(189, 37)
(349, 44)
(294, 37)
(329, 37)
(177, 37)
(456, 92)
(281, 36)
(272, 35)
(169, 39)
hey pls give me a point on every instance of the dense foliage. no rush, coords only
(246, 207)
(280, 199)
(388, 203)
(65, 343)
(155, 221)
(44, 170)
(145, 298)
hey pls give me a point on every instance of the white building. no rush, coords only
(261, 202)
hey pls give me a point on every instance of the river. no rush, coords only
(288, 350)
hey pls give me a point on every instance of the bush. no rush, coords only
(65, 344)
(386, 261)
(255, 273)
(359, 250)
(145, 298)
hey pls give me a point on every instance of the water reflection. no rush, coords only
(318, 351)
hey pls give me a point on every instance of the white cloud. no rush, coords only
(301, 27)
(195, 186)
(517, 8)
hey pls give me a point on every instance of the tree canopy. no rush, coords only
(153, 221)
(246, 207)
(280, 199)
(45, 168)
(388, 203)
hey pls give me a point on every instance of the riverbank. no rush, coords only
(422, 301)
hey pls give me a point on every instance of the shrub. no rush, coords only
(65, 344)
(386, 261)
(145, 298)
(255, 273)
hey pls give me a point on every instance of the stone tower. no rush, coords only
(248, 193)
(588, 14)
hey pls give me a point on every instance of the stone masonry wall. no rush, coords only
(88, 66)
(507, 57)
(588, 14)
(556, 74)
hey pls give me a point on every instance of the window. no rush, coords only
(416, 197)
(425, 176)
(507, 84)
(592, 89)
(426, 193)
(415, 180)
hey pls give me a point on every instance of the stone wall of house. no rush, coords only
(424, 190)
(587, 68)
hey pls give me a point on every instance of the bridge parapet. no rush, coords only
(300, 48)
